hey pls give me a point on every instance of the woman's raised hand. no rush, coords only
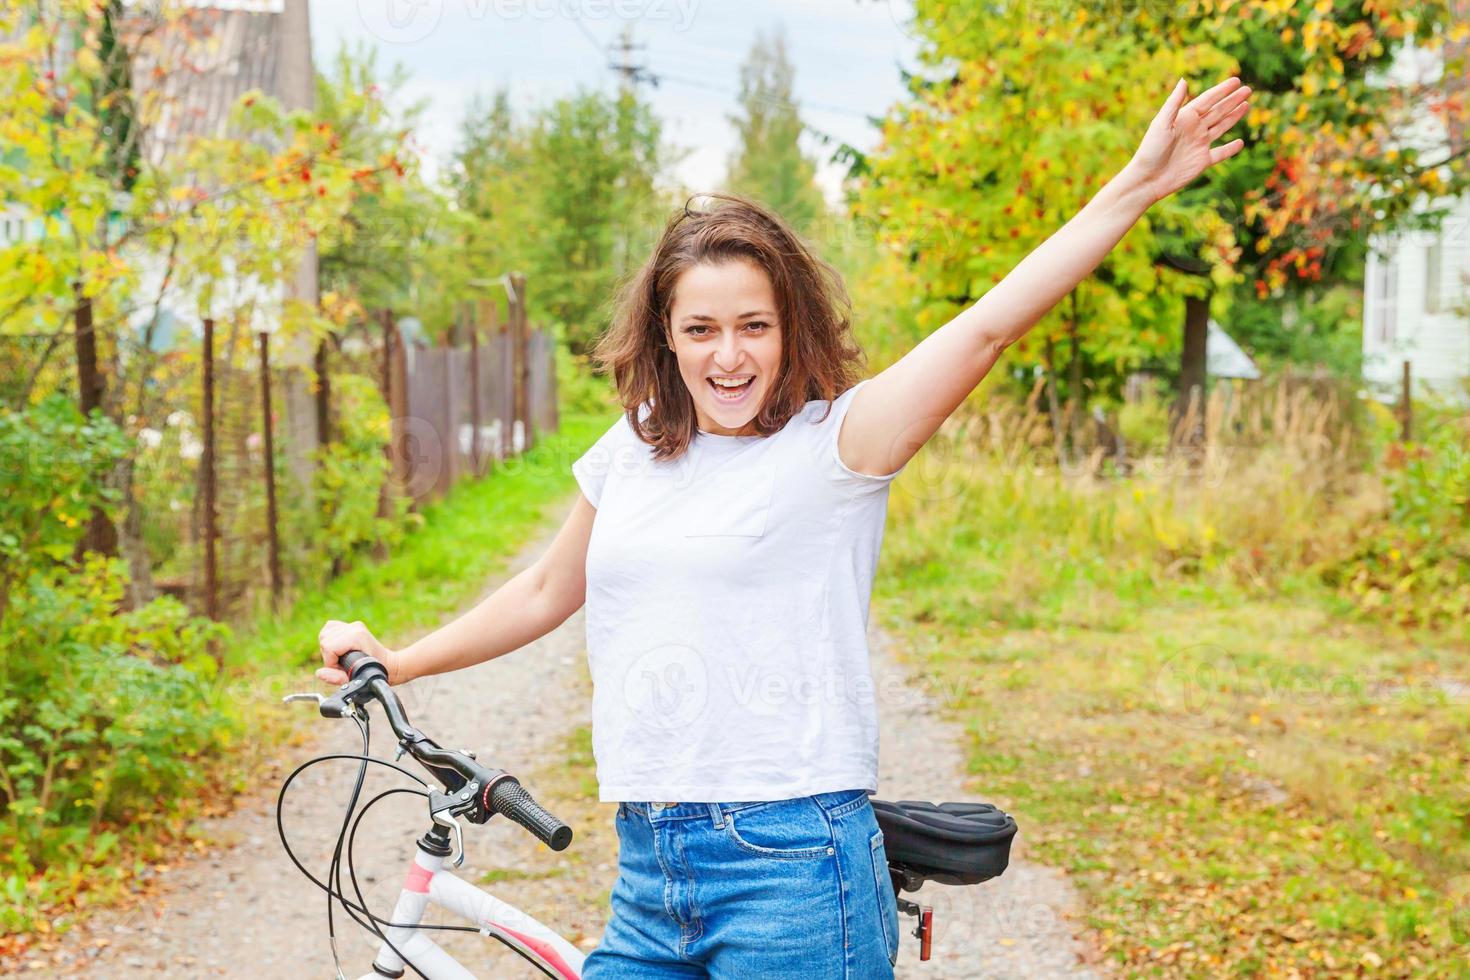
(337, 637)
(1177, 147)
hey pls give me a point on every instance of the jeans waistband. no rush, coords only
(666, 812)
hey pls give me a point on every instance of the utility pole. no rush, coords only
(630, 73)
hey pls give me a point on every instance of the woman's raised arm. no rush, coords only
(894, 415)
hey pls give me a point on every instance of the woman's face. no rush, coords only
(724, 327)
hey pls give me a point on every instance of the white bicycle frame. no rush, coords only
(428, 883)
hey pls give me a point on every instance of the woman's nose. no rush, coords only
(727, 358)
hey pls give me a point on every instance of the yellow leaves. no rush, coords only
(1459, 32)
(88, 62)
(1288, 35)
(1310, 86)
(1323, 8)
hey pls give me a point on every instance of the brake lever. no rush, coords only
(443, 809)
(330, 707)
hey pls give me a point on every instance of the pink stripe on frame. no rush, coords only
(541, 949)
(418, 879)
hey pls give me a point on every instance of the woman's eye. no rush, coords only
(756, 323)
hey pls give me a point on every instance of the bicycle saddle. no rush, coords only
(951, 843)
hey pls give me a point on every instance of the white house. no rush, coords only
(1416, 287)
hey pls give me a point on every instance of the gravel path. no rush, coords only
(239, 908)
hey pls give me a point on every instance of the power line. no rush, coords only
(597, 45)
(661, 75)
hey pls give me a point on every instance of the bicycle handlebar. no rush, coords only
(498, 791)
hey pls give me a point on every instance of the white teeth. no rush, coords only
(728, 383)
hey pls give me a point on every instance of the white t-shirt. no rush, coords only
(727, 605)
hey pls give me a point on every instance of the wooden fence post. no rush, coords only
(473, 326)
(320, 364)
(493, 331)
(398, 404)
(273, 540)
(522, 334)
(1406, 406)
(101, 535)
(385, 384)
(207, 480)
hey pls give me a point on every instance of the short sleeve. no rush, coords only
(831, 462)
(592, 467)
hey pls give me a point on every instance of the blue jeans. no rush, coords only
(785, 888)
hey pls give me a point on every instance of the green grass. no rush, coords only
(1241, 781)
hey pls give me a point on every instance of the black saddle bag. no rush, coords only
(951, 843)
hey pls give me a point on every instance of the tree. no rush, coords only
(1008, 87)
(1027, 114)
(768, 163)
(567, 196)
(374, 259)
(81, 96)
(1329, 159)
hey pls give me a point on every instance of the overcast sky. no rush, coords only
(847, 55)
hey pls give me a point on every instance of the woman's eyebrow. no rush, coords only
(710, 319)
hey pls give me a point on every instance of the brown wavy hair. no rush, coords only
(820, 358)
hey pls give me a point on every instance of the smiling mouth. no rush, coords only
(730, 393)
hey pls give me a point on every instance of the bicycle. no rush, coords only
(952, 843)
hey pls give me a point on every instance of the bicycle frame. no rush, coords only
(426, 883)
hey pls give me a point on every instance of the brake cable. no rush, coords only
(334, 875)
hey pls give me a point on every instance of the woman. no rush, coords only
(724, 546)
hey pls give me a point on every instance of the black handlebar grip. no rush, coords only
(352, 659)
(509, 797)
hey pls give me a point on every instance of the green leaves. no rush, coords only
(566, 194)
(1020, 120)
(53, 462)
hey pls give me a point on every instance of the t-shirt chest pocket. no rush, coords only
(735, 503)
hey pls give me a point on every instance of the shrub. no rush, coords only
(103, 711)
(1412, 563)
(350, 474)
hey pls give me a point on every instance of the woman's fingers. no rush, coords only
(1225, 151)
(1227, 107)
(336, 638)
(1206, 100)
(1171, 105)
(1220, 126)
(332, 675)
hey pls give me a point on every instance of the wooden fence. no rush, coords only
(461, 407)
(458, 417)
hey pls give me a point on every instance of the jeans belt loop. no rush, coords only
(717, 815)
